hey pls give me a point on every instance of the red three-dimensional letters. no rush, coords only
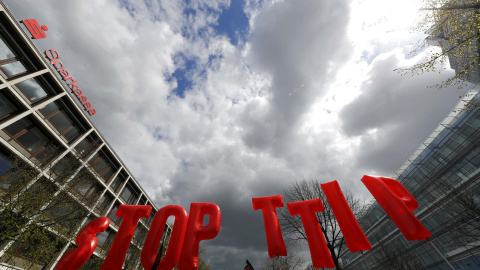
(87, 242)
(398, 203)
(276, 246)
(352, 233)
(316, 241)
(196, 232)
(131, 214)
(149, 251)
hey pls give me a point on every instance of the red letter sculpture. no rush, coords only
(154, 237)
(352, 233)
(398, 203)
(196, 232)
(87, 242)
(276, 246)
(316, 241)
(131, 214)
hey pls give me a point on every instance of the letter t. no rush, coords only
(276, 246)
(316, 241)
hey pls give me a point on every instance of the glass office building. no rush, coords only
(54, 162)
(443, 175)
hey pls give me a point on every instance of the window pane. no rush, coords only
(108, 173)
(5, 107)
(51, 107)
(127, 193)
(60, 121)
(11, 179)
(47, 154)
(102, 238)
(112, 215)
(104, 202)
(82, 187)
(117, 182)
(12, 69)
(71, 133)
(32, 89)
(5, 165)
(82, 146)
(17, 126)
(5, 52)
(32, 140)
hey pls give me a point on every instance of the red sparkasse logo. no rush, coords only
(37, 31)
(54, 57)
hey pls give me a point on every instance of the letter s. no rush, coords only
(53, 56)
(87, 242)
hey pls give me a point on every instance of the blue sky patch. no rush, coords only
(233, 22)
(183, 74)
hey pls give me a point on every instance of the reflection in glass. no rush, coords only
(82, 146)
(32, 89)
(5, 165)
(17, 126)
(102, 238)
(5, 107)
(51, 107)
(117, 182)
(60, 121)
(11, 179)
(127, 193)
(72, 133)
(112, 215)
(83, 187)
(5, 52)
(32, 140)
(12, 69)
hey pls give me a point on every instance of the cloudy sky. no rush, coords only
(221, 101)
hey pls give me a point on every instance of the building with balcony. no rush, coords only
(57, 172)
(444, 176)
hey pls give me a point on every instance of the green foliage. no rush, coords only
(37, 213)
(453, 27)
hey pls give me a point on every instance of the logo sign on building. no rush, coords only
(54, 57)
(37, 31)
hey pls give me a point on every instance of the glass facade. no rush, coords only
(444, 178)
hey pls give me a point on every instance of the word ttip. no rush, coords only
(188, 230)
(392, 196)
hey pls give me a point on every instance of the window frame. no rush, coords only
(93, 161)
(134, 193)
(32, 125)
(91, 194)
(9, 101)
(61, 109)
(40, 84)
(12, 60)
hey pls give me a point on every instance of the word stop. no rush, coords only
(186, 235)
